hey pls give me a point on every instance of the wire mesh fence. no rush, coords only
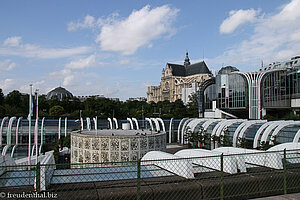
(235, 176)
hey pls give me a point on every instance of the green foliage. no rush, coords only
(226, 140)
(16, 104)
(195, 138)
(264, 146)
(56, 151)
(1, 97)
(270, 118)
(67, 141)
(244, 143)
(13, 98)
(192, 106)
(56, 111)
(291, 116)
(2, 111)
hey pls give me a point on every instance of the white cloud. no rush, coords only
(8, 85)
(7, 65)
(237, 18)
(142, 26)
(14, 47)
(35, 85)
(89, 22)
(295, 36)
(12, 41)
(82, 63)
(66, 77)
(129, 34)
(69, 80)
(275, 38)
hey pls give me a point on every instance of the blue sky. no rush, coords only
(118, 48)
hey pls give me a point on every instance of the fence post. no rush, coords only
(284, 172)
(138, 179)
(222, 184)
(38, 177)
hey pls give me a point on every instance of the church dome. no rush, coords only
(228, 70)
(60, 92)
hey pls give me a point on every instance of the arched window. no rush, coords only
(167, 86)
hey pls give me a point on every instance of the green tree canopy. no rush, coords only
(13, 98)
(192, 106)
(56, 111)
(1, 97)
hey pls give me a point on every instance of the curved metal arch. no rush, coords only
(162, 124)
(214, 144)
(17, 139)
(96, 122)
(17, 129)
(116, 122)
(170, 130)
(260, 78)
(81, 124)
(150, 122)
(156, 123)
(236, 133)
(254, 84)
(136, 123)
(213, 132)
(281, 126)
(250, 123)
(266, 133)
(297, 136)
(8, 135)
(42, 134)
(184, 126)
(259, 133)
(130, 121)
(193, 124)
(227, 123)
(110, 123)
(202, 87)
(248, 78)
(1, 129)
(209, 122)
(179, 126)
(88, 123)
(10, 124)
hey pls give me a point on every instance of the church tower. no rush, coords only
(187, 60)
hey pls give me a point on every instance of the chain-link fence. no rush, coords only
(221, 176)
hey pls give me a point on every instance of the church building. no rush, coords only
(179, 81)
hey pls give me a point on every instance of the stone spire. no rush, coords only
(187, 60)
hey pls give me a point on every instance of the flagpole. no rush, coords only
(29, 126)
(36, 126)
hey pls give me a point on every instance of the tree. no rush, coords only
(178, 109)
(192, 106)
(1, 97)
(67, 141)
(195, 138)
(2, 111)
(56, 111)
(226, 139)
(13, 98)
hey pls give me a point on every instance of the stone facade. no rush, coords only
(176, 78)
(87, 148)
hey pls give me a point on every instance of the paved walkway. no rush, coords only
(294, 196)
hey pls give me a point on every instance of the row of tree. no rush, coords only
(17, 104)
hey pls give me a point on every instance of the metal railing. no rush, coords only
(238, 176)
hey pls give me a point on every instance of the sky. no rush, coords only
(118, 48)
